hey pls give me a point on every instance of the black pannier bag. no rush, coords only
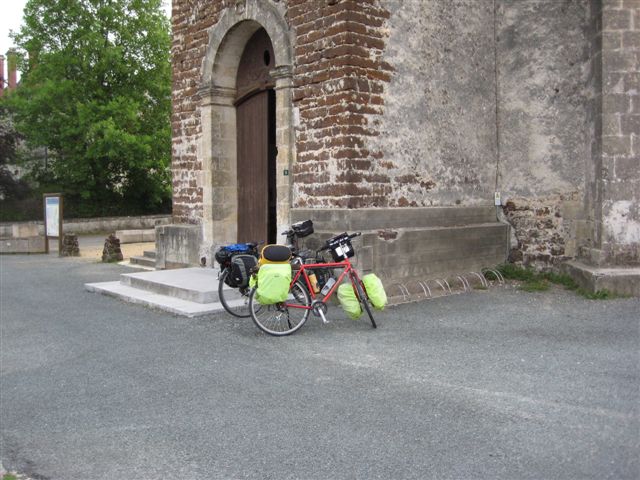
(303, 229)
(241, 268)
(223, 256)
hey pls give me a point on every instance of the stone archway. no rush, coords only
(217, 92)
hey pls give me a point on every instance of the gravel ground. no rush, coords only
(491, 384)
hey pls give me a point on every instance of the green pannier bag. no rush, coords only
(273, 281)
(375, 291)
(349, 301)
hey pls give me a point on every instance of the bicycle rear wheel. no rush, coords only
(235, 301)
(364, 299)
(281, 318)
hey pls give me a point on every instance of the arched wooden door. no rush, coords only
(256, 140)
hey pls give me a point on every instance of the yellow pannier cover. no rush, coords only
(272, 281)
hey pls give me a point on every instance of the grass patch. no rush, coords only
(533, 281)
(599, 295)
(9, 476)
(537, 285)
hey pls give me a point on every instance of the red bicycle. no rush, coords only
(287, 317)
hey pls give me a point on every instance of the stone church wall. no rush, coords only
(431, 103)
(488, 98)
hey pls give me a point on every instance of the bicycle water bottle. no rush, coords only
(314, 282)
(327, 286)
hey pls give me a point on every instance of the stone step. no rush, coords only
(136, 236)
(165, 303)
(149, 254)
(143, 261)
(617, 280)
(199, 285)
(189, 292)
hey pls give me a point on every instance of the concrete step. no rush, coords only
(149, 254)
(136, 236)
(198, 285)
(617, 280)
(161, 302)
(143, 261)
(190, 291)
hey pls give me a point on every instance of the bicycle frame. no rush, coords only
(302, 272)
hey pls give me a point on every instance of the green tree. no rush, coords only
(96, 91)
(10, 187)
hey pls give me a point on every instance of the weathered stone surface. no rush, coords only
(112, 251)
(70, 247)
(178, 246)
(34, 244)
(421, 103)
(437, 134)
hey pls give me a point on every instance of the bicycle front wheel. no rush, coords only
(281, 318)
(364, 300)
(234, 300)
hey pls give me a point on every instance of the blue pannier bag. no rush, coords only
(224, 253)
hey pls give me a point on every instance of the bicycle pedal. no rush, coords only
(322, 316)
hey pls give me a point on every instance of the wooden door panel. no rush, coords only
(253, 168)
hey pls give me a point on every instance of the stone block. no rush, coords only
(21, 230)
(627, 167)
(616, 145)
(630, 124)
(615, 103)
(572, 210)
(618, 61)
(411, 248)
(178, 245)
(611, 40)
(136, 236)
(611, 125)
(631, 40)
(35, 244)
(619, 281)
(616, 19)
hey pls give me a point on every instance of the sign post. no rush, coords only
(53, 219)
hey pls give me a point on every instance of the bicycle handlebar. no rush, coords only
(327, 246)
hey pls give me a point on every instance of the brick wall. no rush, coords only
(339, 80)
(190, 21)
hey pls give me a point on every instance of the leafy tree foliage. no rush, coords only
(95, 91)
(10, 187)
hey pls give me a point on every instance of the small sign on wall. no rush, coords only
(53, 219)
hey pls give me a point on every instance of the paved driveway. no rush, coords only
(492, 384)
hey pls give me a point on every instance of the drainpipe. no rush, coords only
(500, 216)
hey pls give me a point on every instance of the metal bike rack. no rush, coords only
(419, 284)
(465, 284)
(496, 273)
(483, 281)
(426, 288)
(403, 290)
(413, 290)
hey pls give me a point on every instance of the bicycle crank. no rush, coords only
(319, 308)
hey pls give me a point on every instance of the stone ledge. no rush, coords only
(23, 245)
(136, 236)
(620, 281)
